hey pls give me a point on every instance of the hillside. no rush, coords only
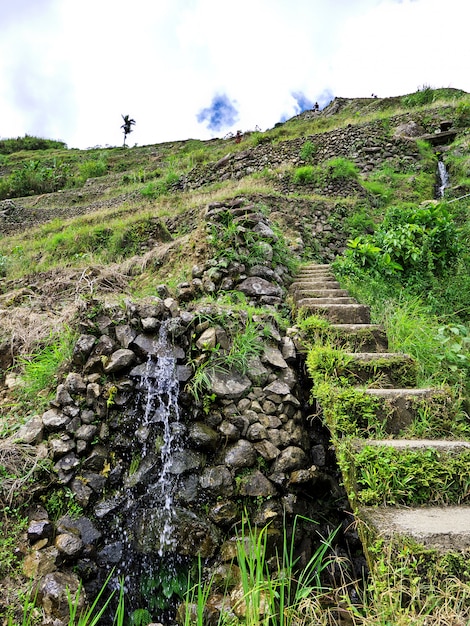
(111, 244)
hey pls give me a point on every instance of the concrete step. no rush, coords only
(306, 292)
(381, 369)
(317, 283)
(361, 337)
(443, 528)
(398, 408)
(337, 313)
(332, 300)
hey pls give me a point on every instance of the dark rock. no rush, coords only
(257, 287)
(224, 513)
(53, 419)
(192, 535)
(81, 491)
(62, 396)
(217, 480)
(110, 554)
(86, 432)
(61, 445)
(119, 360)
(105, 507)
(94, 480)
(203, 436)
(74, 383)
(98, 457)
(256, 484)
(274, 357)
(67, 463)
(278, 388)
(82, 349)
(241, 454)
(292, 458)
(40, 529)
(228, 385)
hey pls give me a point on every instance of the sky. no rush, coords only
(70, 69)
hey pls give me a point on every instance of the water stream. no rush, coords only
(443, 178)
(148, 500)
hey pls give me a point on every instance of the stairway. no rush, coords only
(440, 521)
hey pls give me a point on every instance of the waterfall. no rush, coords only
(162, 388)
(443, 178)
(144, 529)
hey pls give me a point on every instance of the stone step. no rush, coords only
(361, 337)
(315, 284)
(306, 292)
(398, 408)
(314, 267)
(443, 528)
(332, 300)
(337, 313)
(381, 369)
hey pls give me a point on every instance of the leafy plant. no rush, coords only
(341, 168)
(308, 150)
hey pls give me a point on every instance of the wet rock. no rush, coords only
(224, 513)
(69, 545)
(292, 458)
(105, 507)
(110, 554)
(82, 349)
(183, 373)
(318, 455)
(125, 334)
(228, 385)
(98, 457)
(87, 416)
(104, 346)
(256, 484)
(192, 535)
(241, 454)
(94, 480)
(256, 286)
(149, 324)
(54, 591)
(217, 480)
(119, 360)
(184, 461)
(203, 436)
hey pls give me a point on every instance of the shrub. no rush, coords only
(308, 151)
(305, 175)
(424, 95)
(341, 168)
(35, 178)
(92, 169)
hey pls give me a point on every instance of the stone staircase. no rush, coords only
(441, 523)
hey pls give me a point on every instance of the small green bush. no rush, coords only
(305, 175)
(92, 169)
(342, 168)
(35, 178)
(308, 151)
(424, 95)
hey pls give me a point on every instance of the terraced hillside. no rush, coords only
(100, 248)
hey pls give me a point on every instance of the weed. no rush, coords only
(308, 150)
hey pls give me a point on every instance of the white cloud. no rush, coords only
(69, 70)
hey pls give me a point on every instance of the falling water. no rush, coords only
(148, 508)
(161, 407)
(443, 178)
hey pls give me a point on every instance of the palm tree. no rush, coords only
(126, 127)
